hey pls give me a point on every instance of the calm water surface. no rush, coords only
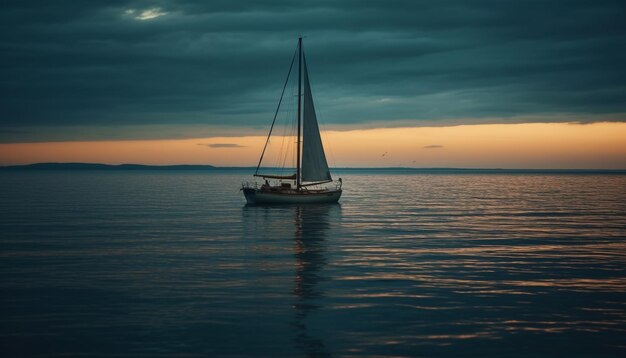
(173, 263)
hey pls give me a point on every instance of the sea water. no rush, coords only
(163, 263)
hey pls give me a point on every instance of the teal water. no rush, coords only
(150, 263)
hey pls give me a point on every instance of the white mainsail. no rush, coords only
(314, 165)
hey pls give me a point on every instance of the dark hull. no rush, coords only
(256, 196)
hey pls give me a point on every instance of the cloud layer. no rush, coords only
(191, 62)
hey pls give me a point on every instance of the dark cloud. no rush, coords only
(192, 62)
(432, 146)
(223, 145)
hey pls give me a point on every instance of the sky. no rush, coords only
(111, 77)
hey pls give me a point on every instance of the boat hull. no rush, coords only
(256, 196)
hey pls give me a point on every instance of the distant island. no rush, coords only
(97, 166)
(385, 170)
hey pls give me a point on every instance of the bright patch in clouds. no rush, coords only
(147, 14)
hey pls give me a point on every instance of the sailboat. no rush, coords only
(306, 185)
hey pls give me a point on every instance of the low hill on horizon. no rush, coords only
(91, 166)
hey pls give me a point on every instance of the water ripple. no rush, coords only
(162, 263)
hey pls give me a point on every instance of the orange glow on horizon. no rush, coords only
(529, 145)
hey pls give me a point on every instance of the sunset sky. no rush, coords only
(533, 84)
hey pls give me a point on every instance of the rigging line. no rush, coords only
(285, 150)
(284, 117)
(291, 140)
(276, 114)
(282, 144)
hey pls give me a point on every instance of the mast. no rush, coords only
(298, 176)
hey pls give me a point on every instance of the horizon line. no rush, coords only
(91, 165)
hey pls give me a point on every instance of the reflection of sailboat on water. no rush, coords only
(303, 231)
(304, 186)
(310, 235)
